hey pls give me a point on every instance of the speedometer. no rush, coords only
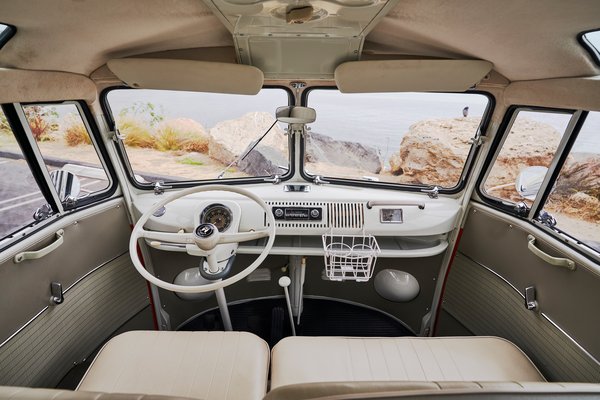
(218, 215)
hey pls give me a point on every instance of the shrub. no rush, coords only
(182, 134)
(76, 134)
(136, 134)
(168, 138)
(42, 121)
(197, 144)
(4, 126)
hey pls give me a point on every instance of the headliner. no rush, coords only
(525, 40)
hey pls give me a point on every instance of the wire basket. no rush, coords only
(350, 257)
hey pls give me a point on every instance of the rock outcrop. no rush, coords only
(324, 149)
(230, 139)
(434, 151)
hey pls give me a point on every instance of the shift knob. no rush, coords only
(284, 281)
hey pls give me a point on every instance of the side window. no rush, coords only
(66, 146)
(525, 155)
(575, 199)
(20, 196)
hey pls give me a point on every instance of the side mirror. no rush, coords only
(296, 115)
(67, 186)
(529, 181)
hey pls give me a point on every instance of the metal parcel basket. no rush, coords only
(350, 257)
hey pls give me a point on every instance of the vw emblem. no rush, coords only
(205, 230)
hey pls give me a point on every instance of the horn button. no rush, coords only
(206, 236)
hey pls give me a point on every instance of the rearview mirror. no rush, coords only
(529, 181)
(67, 186)
(296, 115)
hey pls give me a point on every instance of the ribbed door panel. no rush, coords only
(487, 305)
(48, 347)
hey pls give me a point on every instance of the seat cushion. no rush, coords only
(204, 365)
(432, 390)
(340, 359)
(25, 393)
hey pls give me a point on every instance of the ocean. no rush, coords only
(379, 119)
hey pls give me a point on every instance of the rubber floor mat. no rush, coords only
(268, 318)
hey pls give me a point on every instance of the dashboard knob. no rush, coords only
(278, 212)
(315, 213)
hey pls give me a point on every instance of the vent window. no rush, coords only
(6, 32)
(591, 42)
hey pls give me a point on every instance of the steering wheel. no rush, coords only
(202, 242)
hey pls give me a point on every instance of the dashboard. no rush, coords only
(405, 224)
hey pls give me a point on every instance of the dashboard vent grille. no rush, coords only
(345, 215)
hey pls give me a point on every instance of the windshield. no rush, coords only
(182, 136)
(406, 138)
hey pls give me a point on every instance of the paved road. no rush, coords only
(20, 195)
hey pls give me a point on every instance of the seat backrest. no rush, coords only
(424, 390)
(23, 393)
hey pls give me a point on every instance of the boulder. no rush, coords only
(434, 151)
(229, 139)
(264, 161)
(323, 149)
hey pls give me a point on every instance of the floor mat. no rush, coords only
(268, 318)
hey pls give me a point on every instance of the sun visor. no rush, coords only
(25, 86)
(189, 75)
(410, 75)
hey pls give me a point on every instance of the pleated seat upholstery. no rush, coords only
(200, 365)
(297, 360)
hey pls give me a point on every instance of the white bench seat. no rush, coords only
(298, 360)
(199, 365)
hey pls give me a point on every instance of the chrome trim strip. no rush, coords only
(24, 326)
(495, 273)
(94, 270)
(65, 291)
(583, 350)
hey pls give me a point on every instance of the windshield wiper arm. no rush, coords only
(246, 152)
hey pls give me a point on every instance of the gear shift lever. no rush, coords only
(284, 282)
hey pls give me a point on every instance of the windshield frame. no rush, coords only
(124, 159)
(467, 167)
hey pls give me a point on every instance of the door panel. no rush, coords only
(485, 290)
(39, 342)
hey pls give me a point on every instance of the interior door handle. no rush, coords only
(557, 261)
(33, 255)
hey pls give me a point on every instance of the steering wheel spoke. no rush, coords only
(167, 237)
(242, 236)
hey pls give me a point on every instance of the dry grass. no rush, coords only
(136, 134)
(76, 134)
(182, 134)
(168, 139)
(173, 135)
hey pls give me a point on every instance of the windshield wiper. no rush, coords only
(246, 152)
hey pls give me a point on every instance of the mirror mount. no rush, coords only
(296, 115)
(67, 185)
